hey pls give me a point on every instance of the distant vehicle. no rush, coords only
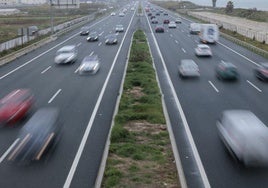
(152, 17)
(90, 64)
(188, 68)
(226, 71)
(209, 33)
(157, 14)
(159, 29)
(245, 136)
(154, 21)
(172, 24)
(149, 14)
(93, 36)
(132, 8)
(166, 21)
(119, 28)
(178, 21)
(203, 50)
(37, 136)
(121, 14)
(165, 14)
(15, 106)
(194, 28)
(111, 39)
(84, 30)
(66, 54)
(113, 14)
(261, 71)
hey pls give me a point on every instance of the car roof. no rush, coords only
(91, 58)
(188, 61)
(67, 48)
(202, 46)
(227, 64)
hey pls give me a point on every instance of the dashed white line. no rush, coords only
(258, 89)
(101, 33)
(196, 41)
(79, 44)
(9, 149)
(91, 53)
(183, 50)
(171, 35)
(176, 41)
(54, 96)
(45, 70)
(214, 87)
(99, 43)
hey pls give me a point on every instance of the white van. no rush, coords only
(194, 28)
(209, 33)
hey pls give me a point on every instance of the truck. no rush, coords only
(209, 33)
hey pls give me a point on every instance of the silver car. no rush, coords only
(203, 50)
(188, 68)
(172, 24)
(119, 28)
(66, 54)
(245, 136)
(90, 64)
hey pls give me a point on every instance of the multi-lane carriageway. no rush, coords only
(87, 105)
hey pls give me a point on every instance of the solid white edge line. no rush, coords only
(54, 96)
(214, 87)
(259, 90)
(45, 70)
(185, 124)
(91, 53)
(78, 155)
(19, 67)
(8, 151)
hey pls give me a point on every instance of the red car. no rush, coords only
(159, 29)
(15, 105)
(166, 21)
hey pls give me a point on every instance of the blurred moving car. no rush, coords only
(152, 17)
(172, 24)
(119, 28)
(261, 71)
(84, 30)
(194, 28)
(245, 136)
(113, 14)
(165, 14)
(166, 21)
(203, 50)
(90, 64)
(66, 54)
(178, 21)
(157, 14)
(93, 36)
(111, 39)
(121, 14)
(37, 136)
(15, 106)
(188, 68)
(154, 21)
(159, 29)
(226, 71)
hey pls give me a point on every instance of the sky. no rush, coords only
(259, 4)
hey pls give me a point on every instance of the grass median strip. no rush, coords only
(140, 153)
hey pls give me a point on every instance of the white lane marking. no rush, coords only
(222, 61)
(185, 123)
(9, 149)
(239, 54)
(99, 43)
(176, 41)
(54, 96)
(45, 70)
(171, 35)
(101, 33)
(110, 31)
(79, 44)
(259, 90)
(189, 36)
(91, 53)
(214, 87)
(76, 70)
(19, 67)
(183, 50)
(87, 131)
(196, 41)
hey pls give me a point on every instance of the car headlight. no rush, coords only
(107, 41)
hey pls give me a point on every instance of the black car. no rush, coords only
(165, 14)
(111, 39)
(152, 17)
(166, 21)
(157, 14)
(154, 21)
(159, 29)
(37, 136)
(84, 30)
(93, 36)
(261, 71)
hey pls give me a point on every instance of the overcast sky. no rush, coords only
(259, 4)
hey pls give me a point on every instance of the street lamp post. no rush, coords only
(51, 18)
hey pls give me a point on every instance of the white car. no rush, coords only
(188, 68)
(119, 28)
(113, 14)
(178, 20)
(121, 14)
(90, 64)
(203, 50)
(67, 54)
(172, 24)
(245, 136)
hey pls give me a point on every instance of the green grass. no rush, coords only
(139, 138)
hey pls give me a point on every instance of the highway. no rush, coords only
(87, 104)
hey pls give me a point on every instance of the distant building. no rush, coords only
(66, 3)
(32, 1)
(8, 2)
(9, 11)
